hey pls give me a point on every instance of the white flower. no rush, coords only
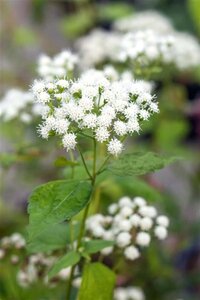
(135, 220)
(95, 106)
(58, 66)
(112, 209)
(143, 239)
(69, 141)
(43, 97)
(125, 225)
(148, 211)
(120, 128)
(107, 250)
(123, 239)
(160, 232)
(131, 253)
(146, 223)
(139, 201)
(163, 221)
(126, 211)
(115, 147)
(125, 201)
(62, 83)
(102, 134)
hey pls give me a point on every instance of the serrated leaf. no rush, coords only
(94, 246)
(55, 237)
(55, 202)
(139, 163)
(70, 259)
(98, 283)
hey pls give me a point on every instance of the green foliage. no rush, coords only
(98, 283)
(94, 246)
(24, 36)
(77, 24)
(169, 133)
(56, 201)
(55, 237)
(194, 8)
(113, 11)
(61, 161)
(139, 163)
(8, 159)
(70, 259)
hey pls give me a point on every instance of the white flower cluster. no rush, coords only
(130, 224)
(98, 47)
(18, 104)
(16, 241)
(58, 66)
(148, 47)
(145, 47)
(109, 109)
(148, 19)
(129, 293)
(35, 269)
(185, 51)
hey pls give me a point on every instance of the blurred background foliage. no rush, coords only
(28, 28)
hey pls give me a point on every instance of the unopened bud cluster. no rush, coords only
(131, 223)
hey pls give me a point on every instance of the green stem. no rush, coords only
(83, 222)
(72, 167)
(84, 163)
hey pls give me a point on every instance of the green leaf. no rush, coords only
(139, 163)
(114, 11)
(194, 8)
(70, 259)
(55, 237)
(94, 246)
(98, 283)
(8, 159)
(56, 201)
(63, 162)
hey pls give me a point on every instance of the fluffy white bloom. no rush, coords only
(162, 221)
(17, 104)
(58, 66)
(148, 19)
(115, 147)
(123, 239)
(160, 232)
(102, 134)
(69, 141)
(106, 108)
(143, 239)
(131, 253)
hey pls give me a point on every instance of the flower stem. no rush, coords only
(83, 222)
